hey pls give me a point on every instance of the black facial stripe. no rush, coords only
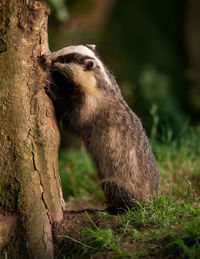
(72, 57)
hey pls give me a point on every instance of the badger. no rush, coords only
(89, 103)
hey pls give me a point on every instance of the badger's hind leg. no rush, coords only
(118, 196)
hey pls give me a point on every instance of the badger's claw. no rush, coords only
(47, 83)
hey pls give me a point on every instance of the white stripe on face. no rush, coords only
(81, 49)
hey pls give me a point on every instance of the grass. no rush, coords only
(166, 227)
(100, 239)
(178, 163)
(187, 243)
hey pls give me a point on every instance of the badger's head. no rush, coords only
(79, 65)
(80, 81)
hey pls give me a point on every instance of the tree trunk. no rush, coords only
(30, 193)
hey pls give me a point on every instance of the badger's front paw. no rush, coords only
(48, 89)
(118, 197)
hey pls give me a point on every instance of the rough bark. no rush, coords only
(30, 194)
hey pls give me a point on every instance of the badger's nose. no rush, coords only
(42, 59)
(45, 61)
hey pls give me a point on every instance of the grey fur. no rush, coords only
(89, 102)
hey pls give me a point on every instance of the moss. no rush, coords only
(9, 195)
(5, 14)
(3, 45)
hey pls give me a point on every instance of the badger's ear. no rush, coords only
(90, 64)
(91, 46)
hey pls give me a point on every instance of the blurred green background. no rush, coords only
(152, 47)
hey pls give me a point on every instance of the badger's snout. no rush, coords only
(45, 61)
(42, 59)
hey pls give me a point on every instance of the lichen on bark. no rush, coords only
(8, 195)
(3, 45)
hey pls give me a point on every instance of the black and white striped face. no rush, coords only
(80, 81)
(79, 63)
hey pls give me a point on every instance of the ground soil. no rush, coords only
(75, 220)
(73, 223)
